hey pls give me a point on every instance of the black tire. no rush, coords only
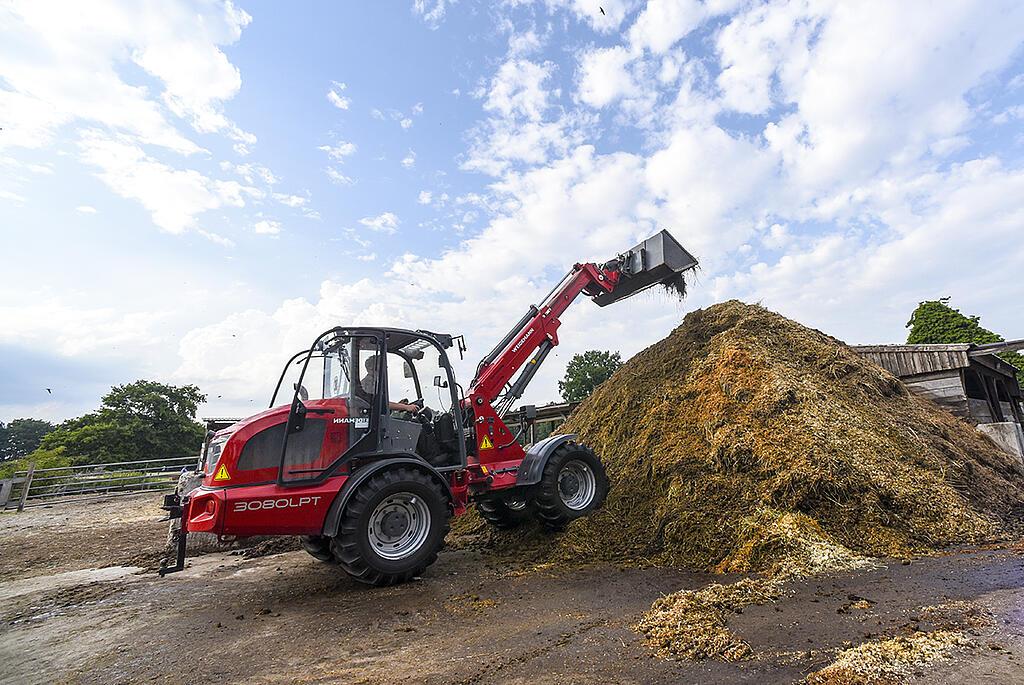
(355, 551)
(505, 512)
(319, 547)
(557, 506)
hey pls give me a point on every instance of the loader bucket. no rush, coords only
(659, 260)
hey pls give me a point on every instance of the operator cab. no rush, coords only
(369, 393)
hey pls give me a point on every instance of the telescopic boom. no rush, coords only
(659, 260)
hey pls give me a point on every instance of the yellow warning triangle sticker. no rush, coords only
(486, 443)
(222, 473)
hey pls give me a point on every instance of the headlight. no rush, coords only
(213, 452)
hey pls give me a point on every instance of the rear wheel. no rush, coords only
(505, 512)
(573, 485)
(393, 527)
(319, 547)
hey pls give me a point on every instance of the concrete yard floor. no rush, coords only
(83, 617)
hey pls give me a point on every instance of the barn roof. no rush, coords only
(914, 360)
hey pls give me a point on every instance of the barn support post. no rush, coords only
(993, 398)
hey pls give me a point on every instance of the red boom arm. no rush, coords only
(532, 332)
(536, 332)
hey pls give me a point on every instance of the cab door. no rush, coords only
(342, 419)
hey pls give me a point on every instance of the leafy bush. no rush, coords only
(934, 322)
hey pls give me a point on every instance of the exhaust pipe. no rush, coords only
(659, 260)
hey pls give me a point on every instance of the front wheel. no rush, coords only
(318, 547)
(505, 512)
(573, 485)
(393, 527)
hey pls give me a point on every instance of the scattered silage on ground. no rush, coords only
(891, 660)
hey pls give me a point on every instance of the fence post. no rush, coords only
(28, 484)
(6, 485)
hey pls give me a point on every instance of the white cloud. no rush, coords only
(338, 177)
(85, 209)
(518, 90)
(431, 11)
(216, 238)
(525, 43)
(335, 97)
(367, 257)
(604, 16)
(662, 23)
(250, 173)
(80, 79)
(267, 227)
(409, 161)
(763, 43)
(425, 197)
(417, 109)
(75, 330)
(1009, 114)
(293, 201)
(523, 126)
(778, 236)
(877, 278)
(605, 76)
(173, 197)
(382, 223)
(405, 122)
(862, 103)
(11, 197)
(339, 151)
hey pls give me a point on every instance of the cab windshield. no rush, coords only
(333, 371)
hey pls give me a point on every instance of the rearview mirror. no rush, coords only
(439, 382)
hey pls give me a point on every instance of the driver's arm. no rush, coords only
(401, 406)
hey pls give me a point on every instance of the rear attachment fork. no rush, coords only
(174, 506)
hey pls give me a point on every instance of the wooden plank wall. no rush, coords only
(903, 362)
(944, 388)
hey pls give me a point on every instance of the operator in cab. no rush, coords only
(369, 386)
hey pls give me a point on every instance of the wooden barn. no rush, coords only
(969, 380)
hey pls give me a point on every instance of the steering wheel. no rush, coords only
(425, 415)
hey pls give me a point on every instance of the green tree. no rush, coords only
(21, 436)
(935, 322)
(43, 459)
(140, 420)
(587, 371)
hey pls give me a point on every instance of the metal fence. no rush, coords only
(36, 487)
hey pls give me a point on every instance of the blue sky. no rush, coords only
(189, 191)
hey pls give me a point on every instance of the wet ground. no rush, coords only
(81, 608)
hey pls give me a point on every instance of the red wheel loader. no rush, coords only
(367, 465)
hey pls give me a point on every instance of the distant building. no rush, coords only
(968, 380)
(549, 418)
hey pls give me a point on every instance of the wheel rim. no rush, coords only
(515, 504)
(399, 525)
(576, 485)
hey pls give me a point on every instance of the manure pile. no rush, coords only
(747, 442)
